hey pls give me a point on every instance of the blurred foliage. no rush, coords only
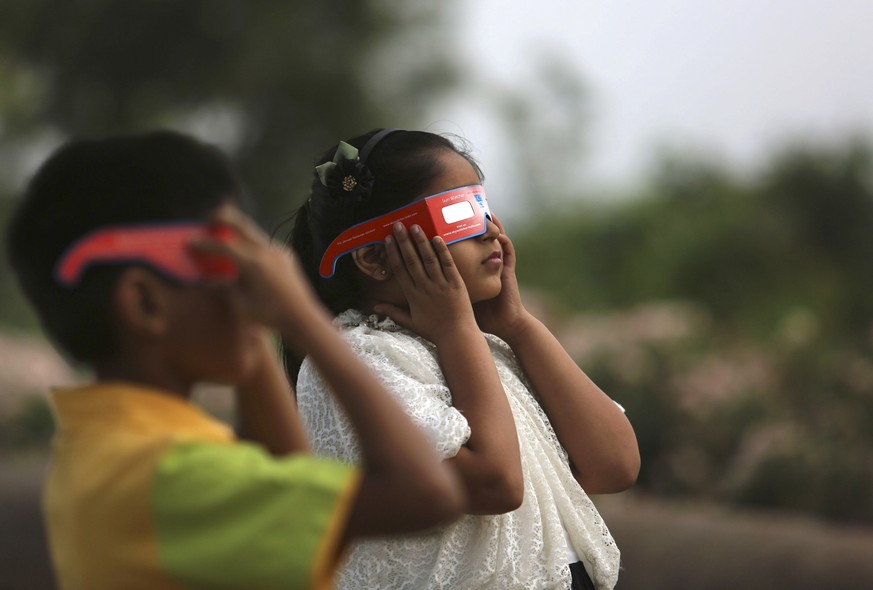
(272, 82)
(270, 79)
(14, 311)
(551, 114)
(769, 400)
(30, 426)
(798, 235)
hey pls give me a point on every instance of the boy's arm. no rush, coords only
(405, 486)
(265, 405)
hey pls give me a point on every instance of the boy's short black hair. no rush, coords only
(91, 183)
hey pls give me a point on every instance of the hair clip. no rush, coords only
(346, 173)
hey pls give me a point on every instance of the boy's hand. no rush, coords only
(437, 298)
(264, 360)
(504, 315)
(269, 282)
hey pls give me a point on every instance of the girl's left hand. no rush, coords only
(504, 315)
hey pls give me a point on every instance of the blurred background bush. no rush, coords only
(742, 326)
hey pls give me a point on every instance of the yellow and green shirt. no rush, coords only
(147, 491)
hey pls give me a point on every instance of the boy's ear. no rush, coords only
(141, 302)
(372, 261)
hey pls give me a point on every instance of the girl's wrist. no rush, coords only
(449, 335)
(515, 334)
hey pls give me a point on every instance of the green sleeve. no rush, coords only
(232, 516)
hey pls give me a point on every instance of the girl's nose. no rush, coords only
(491, 230)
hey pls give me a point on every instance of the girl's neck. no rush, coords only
(381, 292)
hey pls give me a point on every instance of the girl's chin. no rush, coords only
(486, 294)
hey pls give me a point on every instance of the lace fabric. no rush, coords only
(524, 549)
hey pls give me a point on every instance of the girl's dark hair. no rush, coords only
(91, 183)
(404, 165)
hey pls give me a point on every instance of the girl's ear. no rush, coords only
(141, 302)
(372, 261)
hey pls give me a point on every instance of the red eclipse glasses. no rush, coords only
(161, 246)
(453, 215)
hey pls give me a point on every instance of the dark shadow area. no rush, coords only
(24, 556)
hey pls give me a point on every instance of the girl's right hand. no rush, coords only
(437, 299)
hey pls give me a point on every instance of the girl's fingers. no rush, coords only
(508, 250)
(430, 261)
(408, 251)
(416, 261)
(395, 259)
(410, 248)
(497, 222)
(445, 260)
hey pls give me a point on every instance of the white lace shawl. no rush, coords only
(524, 549)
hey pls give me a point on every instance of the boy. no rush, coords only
(141, 266)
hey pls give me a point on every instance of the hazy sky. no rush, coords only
(733, 78)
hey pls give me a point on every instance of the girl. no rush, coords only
(445, 328)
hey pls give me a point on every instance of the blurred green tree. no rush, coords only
(797, 236)
(269, 81)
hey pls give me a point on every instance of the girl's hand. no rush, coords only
(504, 315)
(437, 299)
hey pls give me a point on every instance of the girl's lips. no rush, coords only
(494, 258)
